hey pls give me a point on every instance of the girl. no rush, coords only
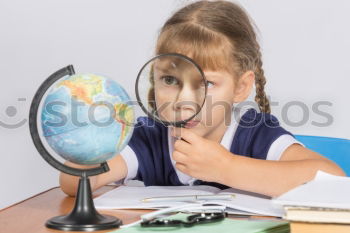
(246, 150)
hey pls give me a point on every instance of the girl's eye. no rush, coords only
(210, 84)
(170, 80)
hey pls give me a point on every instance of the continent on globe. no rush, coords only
(87, 119)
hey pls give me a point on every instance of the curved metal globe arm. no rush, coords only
(33, 127)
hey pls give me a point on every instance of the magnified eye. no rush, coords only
(210, 84)
(170, 80)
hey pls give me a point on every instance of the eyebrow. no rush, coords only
(214, 75)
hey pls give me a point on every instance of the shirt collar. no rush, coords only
(227, 139)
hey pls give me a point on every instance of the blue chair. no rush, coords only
(335, 149)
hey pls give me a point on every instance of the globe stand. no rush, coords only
(84, 216)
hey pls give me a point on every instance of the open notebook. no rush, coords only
(129, 197)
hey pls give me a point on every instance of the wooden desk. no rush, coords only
(31, 215)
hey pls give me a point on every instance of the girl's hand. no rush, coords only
(199, 157)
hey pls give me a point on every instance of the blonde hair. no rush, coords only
(216, 35)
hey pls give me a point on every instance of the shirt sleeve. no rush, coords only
(260, 136)
(131, 153)
(131, 161)
(138, 154)
(280, 145)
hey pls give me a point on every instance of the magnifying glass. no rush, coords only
(171, 89)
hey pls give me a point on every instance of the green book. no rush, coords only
(226, 225)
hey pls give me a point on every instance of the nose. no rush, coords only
(186, 102)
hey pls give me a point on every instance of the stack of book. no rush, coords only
(321, 205)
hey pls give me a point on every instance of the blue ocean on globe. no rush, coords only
(87, 119)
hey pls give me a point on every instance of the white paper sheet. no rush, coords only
(325, 190)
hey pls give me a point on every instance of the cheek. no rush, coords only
(162, 103)
(160, 99)
(218, 106)
(215, 110)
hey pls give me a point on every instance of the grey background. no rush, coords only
(305, 50)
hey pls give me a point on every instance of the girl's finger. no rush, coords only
(186, 135)
(181, 167)
(179, 157)
(182, 146)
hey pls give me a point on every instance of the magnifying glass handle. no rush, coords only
(180, 138)
(178, 134)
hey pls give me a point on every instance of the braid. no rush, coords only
(260, 82)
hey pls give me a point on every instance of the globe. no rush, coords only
(87, 118)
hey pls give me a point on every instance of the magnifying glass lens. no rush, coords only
(171, 88)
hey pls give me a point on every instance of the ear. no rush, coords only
(244, 86)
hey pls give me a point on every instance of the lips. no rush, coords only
(191, 124)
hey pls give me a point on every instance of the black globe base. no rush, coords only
(100, 222)
(84, 216)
